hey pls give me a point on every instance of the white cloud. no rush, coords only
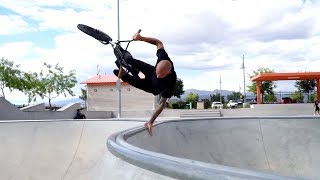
(13, 24)
(16, 50)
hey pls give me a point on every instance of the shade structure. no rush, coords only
(286, 76)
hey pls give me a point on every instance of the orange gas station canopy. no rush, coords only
(286, 76)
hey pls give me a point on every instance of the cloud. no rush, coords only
(13, 24)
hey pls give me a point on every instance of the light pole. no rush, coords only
(244, 81)
(118, 81)
(220, 90)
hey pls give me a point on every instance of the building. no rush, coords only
(102, 95)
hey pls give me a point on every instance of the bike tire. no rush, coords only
(95, 33)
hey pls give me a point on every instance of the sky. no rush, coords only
(205, 39)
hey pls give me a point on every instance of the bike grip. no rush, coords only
(139, 31)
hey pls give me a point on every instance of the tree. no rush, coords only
(234, 96)
(297, 96)
(305, 86)
(207, 103)
(83, 95)
(10, 76)
(270, 98)
(192, 98)
(178, 90)
(216, 98)
(52, 83)
(313, 97)
(13, 78)
(266, 87)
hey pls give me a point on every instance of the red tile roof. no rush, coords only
(103, 80)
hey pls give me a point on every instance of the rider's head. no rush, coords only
(163, 68)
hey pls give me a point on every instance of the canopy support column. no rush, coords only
(258, 92)
(318, 89)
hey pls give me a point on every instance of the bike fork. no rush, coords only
(114, 46)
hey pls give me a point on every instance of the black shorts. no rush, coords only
(316, 108)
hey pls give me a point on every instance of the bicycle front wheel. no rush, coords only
(95, 33)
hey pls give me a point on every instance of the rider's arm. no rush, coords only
(159, 109)
(154, 41)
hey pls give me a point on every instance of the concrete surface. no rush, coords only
(226, 148)
(10, 112)
(70, 107)
(271, 110)
(64, 150)
(34, 107)
(196, 113)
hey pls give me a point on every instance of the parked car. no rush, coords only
(240, 102)
(287, 100)
(232, 104)
(216, 105)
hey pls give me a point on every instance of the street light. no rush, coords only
(220, 89)
(118, 81)
(244, 81)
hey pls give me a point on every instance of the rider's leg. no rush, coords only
(135, 81)
(145, 68)
(119, 52)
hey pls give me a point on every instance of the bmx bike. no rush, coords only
(106, 39)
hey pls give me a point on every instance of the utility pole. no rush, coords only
(220, 89)
(118, 81)
(244, 80)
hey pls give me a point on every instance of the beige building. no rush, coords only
(102, 95)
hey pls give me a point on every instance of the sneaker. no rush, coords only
(128, 67)
(116, 72)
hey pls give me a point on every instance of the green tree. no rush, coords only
(83, 95)
(297, 96)
(14, 79)
(52, 83)
(270, 98)
(266, 87)
(192, 98)
(216, 98)
(305, 86)
(207, 103)
(10, 76)
(178, 90)
(313, 97)
(234, 96)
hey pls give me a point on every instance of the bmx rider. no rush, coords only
(159, 79)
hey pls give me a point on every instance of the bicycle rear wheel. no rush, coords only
(95, 33)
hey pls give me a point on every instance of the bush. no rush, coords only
(177, 105)
(207, 103)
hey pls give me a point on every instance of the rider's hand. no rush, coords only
(137, 36)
